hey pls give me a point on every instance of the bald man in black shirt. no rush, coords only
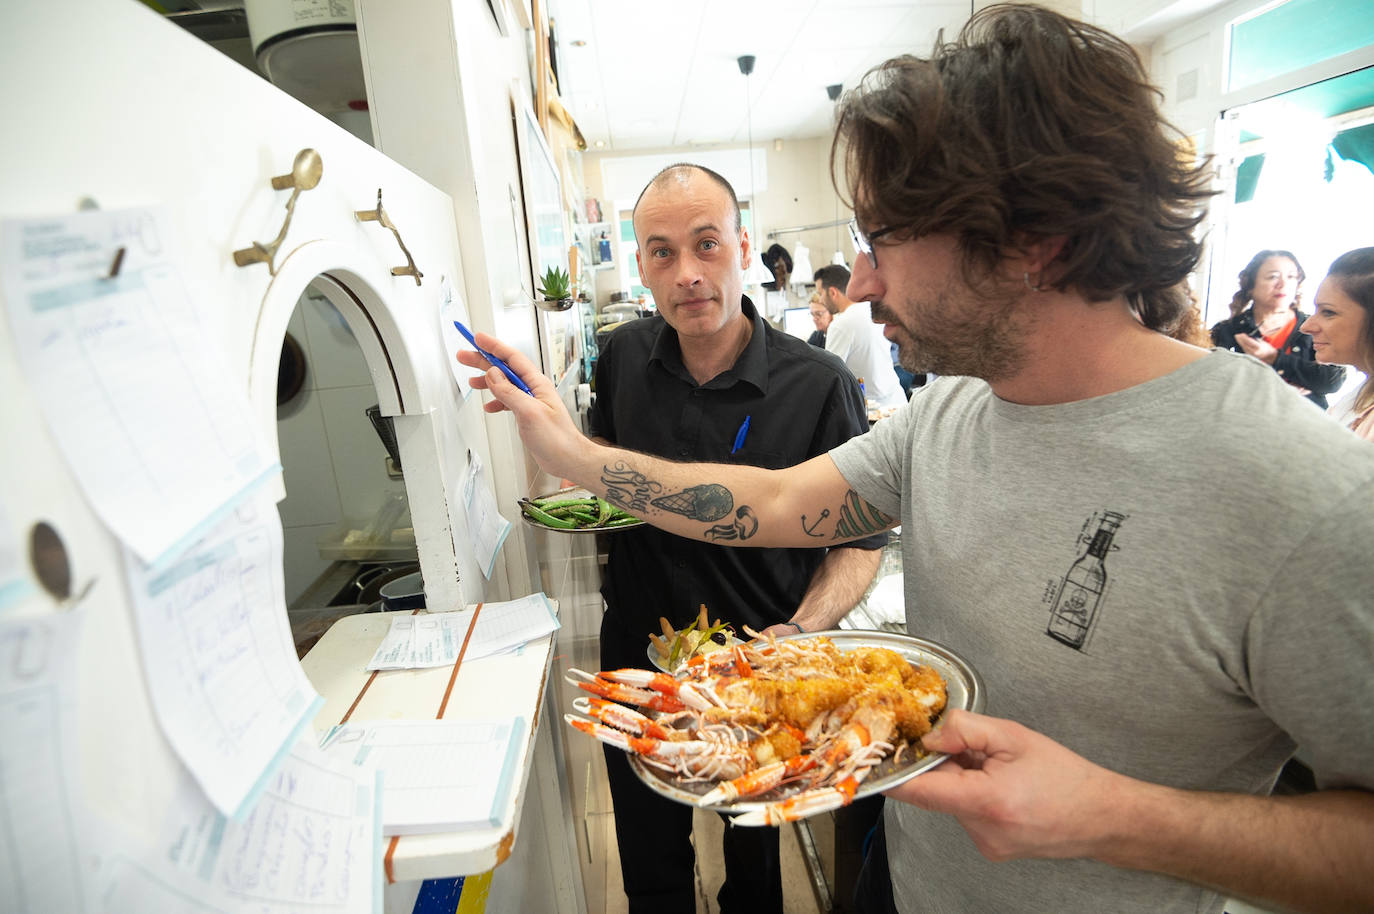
(708, 379)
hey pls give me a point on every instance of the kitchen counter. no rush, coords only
(507, 684)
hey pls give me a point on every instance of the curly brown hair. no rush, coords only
(1188, 325)
(1030, 125)
(1249, 275)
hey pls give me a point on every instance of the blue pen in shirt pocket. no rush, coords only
(741, 435)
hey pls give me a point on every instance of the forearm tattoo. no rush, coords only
(634, 491)
(708, 502)
(627, 488)
(745, 525)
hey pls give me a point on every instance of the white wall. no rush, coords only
(441, 77)
(202, 147)
(439, 83)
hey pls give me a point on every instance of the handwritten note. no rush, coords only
(222, 670)
(129, 385)
(451, 308)
(421, 641)
(504, 626)
(486, 525)
(39, 811)
(437, 775)
(311, 842)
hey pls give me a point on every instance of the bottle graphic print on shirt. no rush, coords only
(1076, 604)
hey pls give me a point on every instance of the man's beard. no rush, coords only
(983, 342)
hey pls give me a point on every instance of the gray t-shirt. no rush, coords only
(1173, 580)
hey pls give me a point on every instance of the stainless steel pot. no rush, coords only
(369, 582)
(404, 593)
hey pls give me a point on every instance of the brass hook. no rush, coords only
(305, 174)
(379, 215)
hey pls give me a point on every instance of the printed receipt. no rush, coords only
(436, 639)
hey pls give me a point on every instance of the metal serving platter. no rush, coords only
(965, 690)
(568, 492)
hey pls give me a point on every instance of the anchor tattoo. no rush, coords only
(811, 530)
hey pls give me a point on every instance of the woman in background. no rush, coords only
(779, 263)
(1265, 322)
(1342, 331)
(777, 295)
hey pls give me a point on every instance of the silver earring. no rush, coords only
(1025, 277)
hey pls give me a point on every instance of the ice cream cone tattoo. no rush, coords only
(708, 502)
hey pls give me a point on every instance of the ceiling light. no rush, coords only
(600, 143)
(758, 273)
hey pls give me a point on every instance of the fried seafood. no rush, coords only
(799, 719)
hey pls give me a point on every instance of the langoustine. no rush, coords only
(799, 723)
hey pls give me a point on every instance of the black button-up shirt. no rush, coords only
(800, 402)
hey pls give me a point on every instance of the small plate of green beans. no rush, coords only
(575, 510)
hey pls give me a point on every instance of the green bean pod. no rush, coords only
(548, 520)
(549, 504)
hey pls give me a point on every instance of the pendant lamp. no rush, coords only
(833, 91)
(757, 274)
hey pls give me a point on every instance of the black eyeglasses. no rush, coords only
(863, 242)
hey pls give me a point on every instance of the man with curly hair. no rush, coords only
(1113, 526)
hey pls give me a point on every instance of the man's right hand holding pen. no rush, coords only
(547, 429)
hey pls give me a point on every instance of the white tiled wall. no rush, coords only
(333, 461)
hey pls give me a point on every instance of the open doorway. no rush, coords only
(346, 518)
(1302, 180)
(346, 507)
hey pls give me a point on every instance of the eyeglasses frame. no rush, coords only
(863, 241)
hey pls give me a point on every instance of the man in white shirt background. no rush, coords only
(854, 337)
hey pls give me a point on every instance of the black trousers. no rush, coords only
(873, 894)
(654, 833)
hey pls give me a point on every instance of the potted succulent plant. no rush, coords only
(557, 290)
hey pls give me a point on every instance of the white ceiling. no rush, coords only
(664, 73)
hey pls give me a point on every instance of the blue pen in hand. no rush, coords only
(740, 435)
(505, 369)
